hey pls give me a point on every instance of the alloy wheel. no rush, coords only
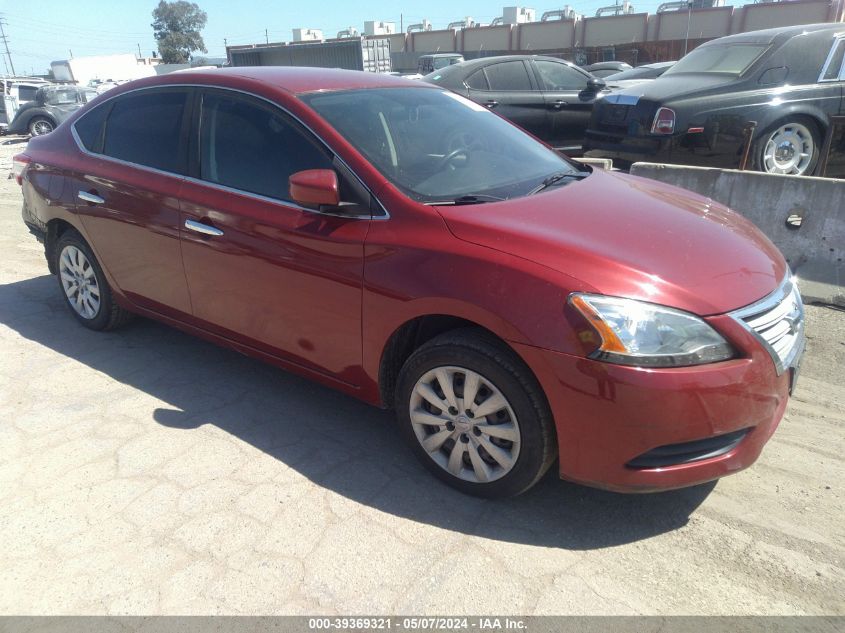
(39, 128)
(465, 424)
(789, 150)
(79, 282)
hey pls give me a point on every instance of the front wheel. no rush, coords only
(40, 126)
(475, 415)
(790, 147)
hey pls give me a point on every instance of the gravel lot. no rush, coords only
(145, 471)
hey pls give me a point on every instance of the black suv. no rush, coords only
(788, 80)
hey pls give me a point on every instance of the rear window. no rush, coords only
(508, 76)
(729, 59)
(143, 128)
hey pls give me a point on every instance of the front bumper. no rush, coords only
(611, 419)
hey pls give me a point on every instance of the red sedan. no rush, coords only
(406, 246)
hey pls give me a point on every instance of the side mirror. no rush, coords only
(315, 188)
(594, 84)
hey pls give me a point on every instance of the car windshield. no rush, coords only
(729, 59)
(438, 146)
(61, 96)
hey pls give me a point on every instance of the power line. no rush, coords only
(6, 44)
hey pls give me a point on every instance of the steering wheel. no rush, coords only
(444, 162)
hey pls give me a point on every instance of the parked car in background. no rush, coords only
(17, 91)
(788, 80)
(638, 75)
(429, 63)
(51, 106)
(327, 221)
(548, 97)
(605, 69)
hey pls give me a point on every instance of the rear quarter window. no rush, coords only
(89, 128)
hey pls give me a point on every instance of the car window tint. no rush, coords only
(508, 76)
(831, 70)
(143, 128)
(477, 81)
(560, 76)
(250, 146)
(90, 127)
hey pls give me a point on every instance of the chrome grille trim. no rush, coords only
(777, 321)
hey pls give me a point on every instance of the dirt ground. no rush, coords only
(147, 472)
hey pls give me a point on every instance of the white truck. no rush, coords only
(100, 68)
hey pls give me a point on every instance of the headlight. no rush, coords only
(649, 335)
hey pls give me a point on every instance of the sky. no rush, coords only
(41, 31)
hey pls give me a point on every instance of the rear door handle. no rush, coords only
(205, 229)
(93, 198)
(557, 105)
(491, 104)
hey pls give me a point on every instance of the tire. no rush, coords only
(39, 126)
(520, 434)
(780, 147)
(80, 277)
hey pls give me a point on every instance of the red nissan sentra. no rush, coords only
(406, 246)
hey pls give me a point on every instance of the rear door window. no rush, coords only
(145, 128)
(833, 64)
(477, 81)
(508, 76)
(252, 146)
(556, 76)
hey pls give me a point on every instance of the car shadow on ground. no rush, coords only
(335, 441)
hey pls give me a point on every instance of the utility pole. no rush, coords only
(689, 18)
(139, 52)
(266, 37)
(401, 23)
(6, 44)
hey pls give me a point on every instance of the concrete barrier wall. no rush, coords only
(539, 36)
(616, 29)
(433, 41)
(486, 38)
(815, 249)
(702, 23)
(753, 17)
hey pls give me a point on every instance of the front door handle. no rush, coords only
(93, 198)
(205, 229)
(491, 104)
(557, 105)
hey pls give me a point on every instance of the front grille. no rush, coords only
(686, 452)
(778, 323)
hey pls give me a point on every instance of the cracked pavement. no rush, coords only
(144, 471)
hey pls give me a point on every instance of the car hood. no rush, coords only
(626, 236)
(665, 87)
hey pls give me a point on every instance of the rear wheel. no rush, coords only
(789, 147)
(475, 415)
(84, 287)
(40, 126)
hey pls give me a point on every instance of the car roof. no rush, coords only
(292, 79)
(780, 34)
(483, 61)
(442, 55)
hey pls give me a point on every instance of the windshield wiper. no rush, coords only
(558, 178)
(477, 198)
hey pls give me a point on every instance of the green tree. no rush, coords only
(177, 27)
